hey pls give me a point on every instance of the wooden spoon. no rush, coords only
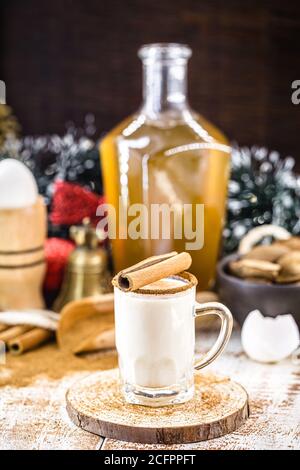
(81, 318)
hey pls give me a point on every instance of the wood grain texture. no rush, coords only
(219, 406)
(22, 266)
(65, 58)
(274, 393)
(34, 417)
(24, 232)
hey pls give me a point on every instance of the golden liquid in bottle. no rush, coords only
(185, 162)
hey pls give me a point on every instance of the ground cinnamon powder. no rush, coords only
(51, 362)
(54, 362)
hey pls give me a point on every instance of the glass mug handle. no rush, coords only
(215, 308)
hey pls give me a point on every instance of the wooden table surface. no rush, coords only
(34, 417)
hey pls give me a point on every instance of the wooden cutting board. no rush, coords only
(219, 407)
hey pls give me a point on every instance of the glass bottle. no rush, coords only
(167, 154)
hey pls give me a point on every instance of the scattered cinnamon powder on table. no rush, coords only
(50, 361)
(54, 362)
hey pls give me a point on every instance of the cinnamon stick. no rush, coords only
(13, 332)
(29, 340)
(152, 269)
(98, 342)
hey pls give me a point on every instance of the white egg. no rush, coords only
(18, 187)
(267, 339)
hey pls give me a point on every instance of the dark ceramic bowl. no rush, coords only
(241, 296)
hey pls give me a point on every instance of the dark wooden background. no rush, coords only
(62, 59)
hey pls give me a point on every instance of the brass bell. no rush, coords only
(86, 272)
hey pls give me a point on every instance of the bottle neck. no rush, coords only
(164, 88)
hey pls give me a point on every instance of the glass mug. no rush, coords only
(155, 340)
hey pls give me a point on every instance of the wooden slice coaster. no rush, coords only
(219, 407)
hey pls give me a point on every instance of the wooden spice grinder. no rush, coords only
(22, 263)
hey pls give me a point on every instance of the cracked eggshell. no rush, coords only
(267, 339)
(18, 187)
